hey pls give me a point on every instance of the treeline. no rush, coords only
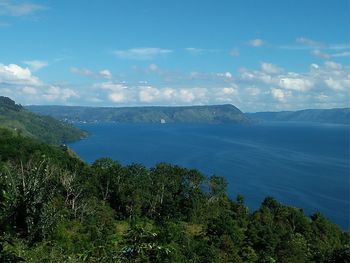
(55, 208)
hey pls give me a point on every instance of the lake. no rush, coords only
(300, 164)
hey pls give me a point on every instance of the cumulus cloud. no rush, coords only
(14, 74)
(122, 93)
(20, 84)
(57, 93)
(256, 42)
(279, 94)
(13, 8)
(117, 92)
(326, 85)
(146, 53)
(295, 82)
(148, 94)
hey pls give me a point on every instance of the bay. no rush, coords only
(300, 164)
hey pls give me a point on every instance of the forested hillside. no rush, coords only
(340, 116)
(44, 128)
(189, 114)
(55, 208)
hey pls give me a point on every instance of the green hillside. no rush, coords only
(339, 116)
(44, 128)
(189, 114)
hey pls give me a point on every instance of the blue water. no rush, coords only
(303, 165)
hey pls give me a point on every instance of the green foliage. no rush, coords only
(55, 208)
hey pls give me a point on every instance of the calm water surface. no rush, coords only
(303, 165)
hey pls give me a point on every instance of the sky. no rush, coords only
(267, 55)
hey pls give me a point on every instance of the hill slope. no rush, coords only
(339, 115)
(46, 129)
(191, 114)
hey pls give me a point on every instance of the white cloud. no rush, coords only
(256, 76)
(29, 90)
(270, 68)
(333, 65)
(148, 94)
(105, 73)
(227, 75)
(195, 51)
(117, 92)
(256, 42)
(341, 54)
(13, 74)
(35, 65)
(186, 95)
(314, 66)
(324, 55)
(19, 83)
(279, 94)
(153, 68)
(81, 71)
(228, 91)
(146, 53)
(296, 90)
(117, 97)
(57, 93)
(320, 54)
(334, 84)
(13, 8)
(200, 51)
(339, 84)
(295, 82)
(309, 42)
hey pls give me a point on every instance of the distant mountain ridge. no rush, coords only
(336, 115)
(46, 129)
(156, 114)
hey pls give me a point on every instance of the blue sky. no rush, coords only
(257, 55)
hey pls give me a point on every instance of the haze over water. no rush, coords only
(303, 165)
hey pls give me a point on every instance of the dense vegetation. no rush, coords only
(340, 116)
(55, 208)
(191, 114)
(45, 128)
